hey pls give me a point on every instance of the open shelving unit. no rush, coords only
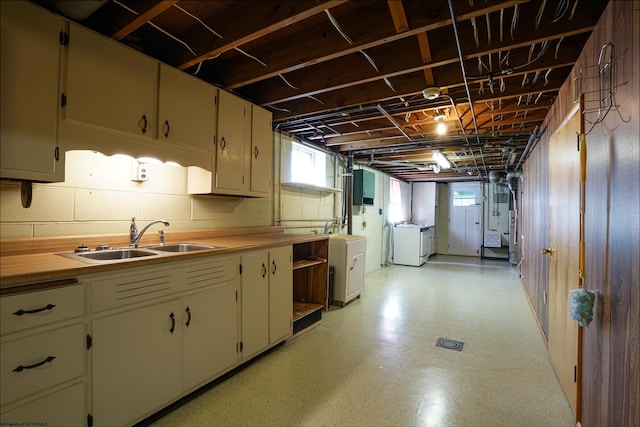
(310, 282)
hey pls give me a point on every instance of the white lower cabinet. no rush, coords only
(267, 299)
(136, 362)
(43, 357)
(148, 354)
(210, 333)
(63, 408)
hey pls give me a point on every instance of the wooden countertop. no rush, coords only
(27, 261)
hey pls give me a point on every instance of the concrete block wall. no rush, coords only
(99, 197)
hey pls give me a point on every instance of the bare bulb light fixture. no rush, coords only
(441, 128)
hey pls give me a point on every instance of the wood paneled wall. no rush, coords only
(610, 391)
(535, 227)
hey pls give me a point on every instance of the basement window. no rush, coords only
(308, 166)
(464, 198)
(395, 201)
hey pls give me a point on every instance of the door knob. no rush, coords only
(547, 251)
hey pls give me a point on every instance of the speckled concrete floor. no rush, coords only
(375, 362)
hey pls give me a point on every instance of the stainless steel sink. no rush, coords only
(182, 247)
(123, 254)
(115, 254)
(110, 255)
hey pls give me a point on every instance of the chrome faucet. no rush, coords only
(134, 237)
(330, 224)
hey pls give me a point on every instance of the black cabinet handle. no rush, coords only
(264, 270)
(35, 310)
(144, 124)
(255, 152)
(166, 128)
(188, 318)
(35, 365)
(274, 267)
(173, 322)
(223, 143)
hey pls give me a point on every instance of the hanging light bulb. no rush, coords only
(441, 128)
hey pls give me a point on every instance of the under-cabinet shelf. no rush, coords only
(304, 263)
(309, 187)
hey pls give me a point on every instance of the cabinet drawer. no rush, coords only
(39, 308)
(66, 407)
(34, 363)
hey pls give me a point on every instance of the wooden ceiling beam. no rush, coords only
(142, 18)
(293, 55)
(235, 35)
(397, 14)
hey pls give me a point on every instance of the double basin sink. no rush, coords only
(120, 254)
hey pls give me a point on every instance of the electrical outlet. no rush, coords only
(140, 172)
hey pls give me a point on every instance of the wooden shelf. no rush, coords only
(309, 187)
(302, 309)
(303, 263)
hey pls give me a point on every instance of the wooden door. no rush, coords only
(563, 252)
(465, 212)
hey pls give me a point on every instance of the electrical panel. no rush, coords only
(364, 187)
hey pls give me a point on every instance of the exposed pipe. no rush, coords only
(532, 137)
(349, 194)
(392, 120)
(466, 83)
(464, 133)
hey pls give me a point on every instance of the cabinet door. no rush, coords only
(261, 150)
(187, 109)
(280, 294)
(255, 303)
(30, 60)
(110, 85)
(210, 333)
(234, 139)
(355, 274)
(136, 362)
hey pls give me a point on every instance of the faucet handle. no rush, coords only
(161, 233)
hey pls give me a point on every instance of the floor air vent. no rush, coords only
(449, 344)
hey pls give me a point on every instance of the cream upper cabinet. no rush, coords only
(234, 141)
(261, 151)
(187, 109)
(30, 60)
(109, 85)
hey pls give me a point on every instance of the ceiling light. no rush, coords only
(431, 93)
(440, 159)
(440, 117)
